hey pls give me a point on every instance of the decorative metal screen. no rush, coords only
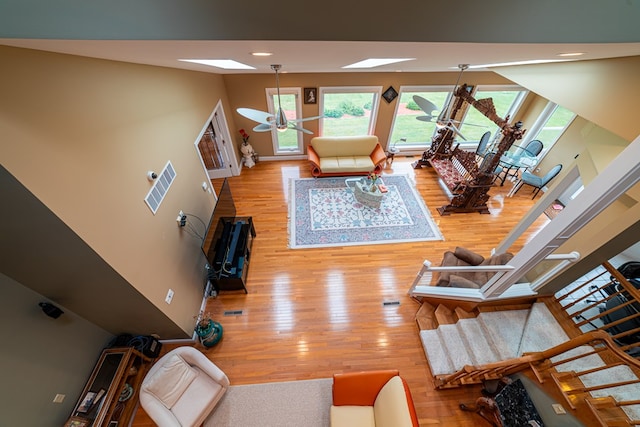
(160, 187)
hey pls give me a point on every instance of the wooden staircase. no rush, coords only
(571, 366)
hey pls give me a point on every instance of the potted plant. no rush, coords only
(208, 330)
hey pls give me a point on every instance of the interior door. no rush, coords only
(213, 149)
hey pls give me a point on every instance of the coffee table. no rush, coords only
(362, 191)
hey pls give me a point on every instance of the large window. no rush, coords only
(349, 111)
(506, 99)
(417, 133)
(289, 141)
(551, 124)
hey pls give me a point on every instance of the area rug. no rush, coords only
(323, 212)
(282, 404)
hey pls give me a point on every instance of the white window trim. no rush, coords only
(375, 90)
(533, 132)
(270, 92)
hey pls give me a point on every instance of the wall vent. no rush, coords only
(160, 187)
(233, 313)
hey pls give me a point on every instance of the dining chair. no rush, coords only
(537, 182)
(481, 149)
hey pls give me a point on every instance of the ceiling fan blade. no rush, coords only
(307, 131)
(306, 119)
(456, 130)
(263, 127)
(425, 118)
(425, 105)
(255, 115)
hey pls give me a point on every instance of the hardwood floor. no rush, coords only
(311, 313)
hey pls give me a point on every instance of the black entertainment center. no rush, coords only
(227, 245)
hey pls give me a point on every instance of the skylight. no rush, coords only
(376, 62)
(227, 64)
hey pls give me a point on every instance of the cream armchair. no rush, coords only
(182, 388)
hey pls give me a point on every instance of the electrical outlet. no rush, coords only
(59, 398)
(181, 219)
(169, 296)
(205, 187)
(558, 409)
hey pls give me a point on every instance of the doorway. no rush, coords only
(215, 148)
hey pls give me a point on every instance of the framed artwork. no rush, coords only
(310, 95)
(87, 402)
(77, 422)
(390, 94)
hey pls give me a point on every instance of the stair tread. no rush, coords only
(505, 329)
(456, 346)
(480, 347)
(542, 330)
(439, 361)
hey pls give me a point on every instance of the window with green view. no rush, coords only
(289, 141)
(348, 111)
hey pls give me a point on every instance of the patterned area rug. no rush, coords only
(323, 212)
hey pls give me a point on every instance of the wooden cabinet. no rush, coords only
(111, 393)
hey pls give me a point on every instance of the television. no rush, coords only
(213, 238)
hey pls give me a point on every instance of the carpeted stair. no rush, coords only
(500, 335)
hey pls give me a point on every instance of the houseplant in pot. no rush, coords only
(208, 330)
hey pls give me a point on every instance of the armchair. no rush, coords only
(537, 182)
(182, 388)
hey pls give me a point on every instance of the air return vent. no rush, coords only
(160, 187)
(233, 313)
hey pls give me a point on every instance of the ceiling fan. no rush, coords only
(443, 120)
(278, 121)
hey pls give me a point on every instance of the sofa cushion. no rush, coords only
(344, 146)
(468, 256)
(352, 416)
(501, 259)
(170, 381)
(346, 164)
(391, 408)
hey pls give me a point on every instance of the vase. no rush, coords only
(209, 333)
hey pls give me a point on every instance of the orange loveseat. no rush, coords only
(372, 399)
(345, 155)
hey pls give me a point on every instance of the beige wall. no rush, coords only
(81, 135)
(604, 92)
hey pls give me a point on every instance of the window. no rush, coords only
(506, 100)
(289, 141)
(349, 111)
(551, 124)
(405, 123)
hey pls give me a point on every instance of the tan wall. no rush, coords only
(249, 91)
(604, 92)
(81, 135)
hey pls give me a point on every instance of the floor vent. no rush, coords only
(391, 303)
(233, 313)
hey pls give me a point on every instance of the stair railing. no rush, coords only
(537, 361)
(611, 307)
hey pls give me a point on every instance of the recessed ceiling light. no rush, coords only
(227, 64)
(261, 53)
(571, 54)
(376, 62)
(529, 62)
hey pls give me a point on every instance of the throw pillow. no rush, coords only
(456, 281)
(468, 256)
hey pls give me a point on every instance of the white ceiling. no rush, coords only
(320, 56)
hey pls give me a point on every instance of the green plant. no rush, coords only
(333, 113)
(351, 109)
(367, 105)
(411, 105)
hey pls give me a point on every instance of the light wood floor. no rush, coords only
(311, 313)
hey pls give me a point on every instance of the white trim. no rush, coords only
(297, 93)
(376, 91)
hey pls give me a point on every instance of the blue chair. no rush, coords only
(481, 149)
(537, 182)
